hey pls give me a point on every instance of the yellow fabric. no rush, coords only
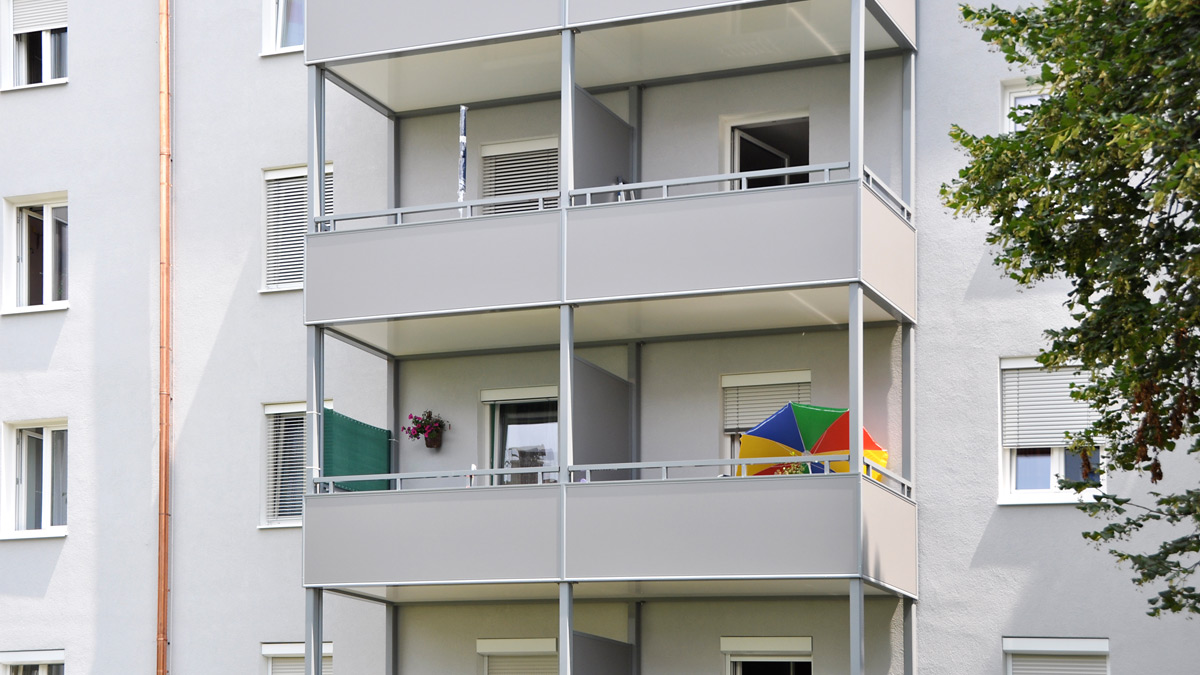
(880, 457)
(754, 447)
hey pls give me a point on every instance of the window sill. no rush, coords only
(1041, 498)
(298, 49)
(34, 309)
(281, 289)
(39, 85)
(282, 526)
(59, 532)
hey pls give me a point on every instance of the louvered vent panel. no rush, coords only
(1038, 408)
(518, 173)
(286, 665)
(746, 406)
(285, 466)
(1046, 664)
(287, 221)
(541, 664)
(31, 15)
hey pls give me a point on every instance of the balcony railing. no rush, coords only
(412, 215)
(637, 471)
(701, 185)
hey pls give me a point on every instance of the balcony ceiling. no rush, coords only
(619, 321)
(632, 53)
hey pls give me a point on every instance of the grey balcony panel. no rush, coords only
(412, 536)
(904, 14)
(889, 537)
(717, 528)
(457, 264)
(889, 255)
(587, 11)
(726, 240)
(341, 28)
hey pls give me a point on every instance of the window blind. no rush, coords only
(289, 665)
(1054, 664)
(287, 223)
(1038, 408)
(285, 466)
(517, 173)
(538, 664)
(33, 15)
(747, 405)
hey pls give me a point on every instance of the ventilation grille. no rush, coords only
(747, 405)
(1038, 408)
(287, 222)
(518, 173)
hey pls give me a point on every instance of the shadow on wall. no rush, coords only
(991, 283)
(38, 560)
(39, 335)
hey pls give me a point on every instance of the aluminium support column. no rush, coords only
(908, 401)
(858, 31)
(395, 417)
(855, 404)
(908, 127)
(566, 626)
(858, 649)
(316, 141)
(391, 658)
(314, 634)
(910, 636)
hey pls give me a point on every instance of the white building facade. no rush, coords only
(661, 222)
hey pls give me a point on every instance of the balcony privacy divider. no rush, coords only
(354, 448)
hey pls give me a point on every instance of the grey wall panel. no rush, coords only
(889, 253)
(595, 655)
(904, 14)
(499, 260)
(338, 28)
(602, 139)
(781, 236)
(889, 537)
(601, 419)
(459, 535)
(584, 11)
(784, 526)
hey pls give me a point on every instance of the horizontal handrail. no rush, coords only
(741, 177)
(466, 209)
(885, 193)
(905, 485)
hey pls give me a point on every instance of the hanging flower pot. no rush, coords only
(433, 439)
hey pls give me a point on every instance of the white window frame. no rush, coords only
(1036, 646)
(43, 658)
(283, 173)
(273, 21)
(490, 648)
(270, 410)
(730, 439)
(740, 649)
(1008, 494)
(728, 123)
(13, 268)
(1011, 92)
(11, 489)
(9, 56)
(295, 650)
(494, 399)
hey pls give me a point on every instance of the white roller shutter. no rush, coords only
(539, 664)
(287, 223)
(1052, 664)
(34, 15)
(1038, 408)
(747, 405)
(517, 173)
(288, 665)
(285, 466)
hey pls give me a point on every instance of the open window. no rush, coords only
(775, 144)
(35, 477)
(36, 264)
(39, 41)
(524, 423)
(767, 655)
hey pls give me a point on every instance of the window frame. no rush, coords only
(796, 649)
(13, 491)
(284, 173)
(731, 438)
(1011, 91)
(1060, 646)
(9, 62)
(1008, 494)
(12, 662)
(273, 23)
(540, 144)
(15, 293)
(495, 400)
(295, 650)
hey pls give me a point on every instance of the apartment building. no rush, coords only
(604, 240)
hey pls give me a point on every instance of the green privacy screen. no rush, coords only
(355, 449)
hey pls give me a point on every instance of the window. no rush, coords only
(1051, 656)
(1036, 412)
(39, 42)
(750, 398)
(518, 656)
(285, 463)
(1016, 97)
(283, 26)
(287, 222)
(524, 431)
(767, 655)
(34, 662)
(520, 168)
(36, 269)
(287, 658)
(35, 477)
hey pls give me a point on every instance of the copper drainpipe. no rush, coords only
(164, 325)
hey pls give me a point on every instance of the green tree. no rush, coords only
(1100, 187)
